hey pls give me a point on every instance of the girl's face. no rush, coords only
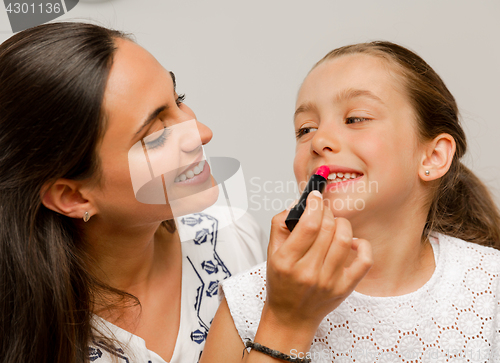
(352, 114)
(147, 128)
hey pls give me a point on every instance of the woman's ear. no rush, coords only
(437, 157)
(64, 197)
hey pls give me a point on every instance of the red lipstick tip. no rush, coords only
(324, 171)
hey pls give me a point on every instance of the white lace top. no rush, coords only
(454, 317)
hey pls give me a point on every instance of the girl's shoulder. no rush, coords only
(471, 254)
(470, 265)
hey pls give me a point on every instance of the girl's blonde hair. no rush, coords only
(460, 205)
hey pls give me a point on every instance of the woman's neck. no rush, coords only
(131, 259)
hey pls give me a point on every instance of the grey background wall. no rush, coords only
(241, 63)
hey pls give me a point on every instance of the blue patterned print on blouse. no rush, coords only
(210, 271)
(96, 353)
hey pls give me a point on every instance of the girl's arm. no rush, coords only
(225, 345)
(306, 279)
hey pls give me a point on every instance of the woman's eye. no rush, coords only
(180, 99)
(160, 140)
(304, 130)
(354, 120)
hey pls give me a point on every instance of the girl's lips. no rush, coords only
(197, 179)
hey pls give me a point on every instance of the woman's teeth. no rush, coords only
(191, 173)
(340, 177)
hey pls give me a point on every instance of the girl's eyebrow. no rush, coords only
(305, 107)
(342, 96)
(351, 93)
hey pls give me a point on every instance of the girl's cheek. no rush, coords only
(300, 161)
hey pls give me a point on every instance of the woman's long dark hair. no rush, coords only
(460, 205)
(52, 82)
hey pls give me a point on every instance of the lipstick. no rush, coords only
(317, 182)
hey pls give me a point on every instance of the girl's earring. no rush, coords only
(427, 172)
(86, 216)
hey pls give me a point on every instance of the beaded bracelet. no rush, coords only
(274, 353)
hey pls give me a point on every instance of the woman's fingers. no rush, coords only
(339, 248)
(360, 265)
(316, 255)
(279, 233)
(304, 233)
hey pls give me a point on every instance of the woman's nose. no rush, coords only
(325, 140)
(195, 135)
(205, 132)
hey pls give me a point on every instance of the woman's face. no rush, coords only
(152, 148)
(352, 114)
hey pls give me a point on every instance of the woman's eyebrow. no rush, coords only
(153, 115)
(151, 118)
(173, 79)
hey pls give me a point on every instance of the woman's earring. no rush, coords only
(86, 216)
(427, 172)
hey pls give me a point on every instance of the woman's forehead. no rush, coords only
(134, 71)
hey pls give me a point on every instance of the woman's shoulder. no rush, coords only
(234, 225)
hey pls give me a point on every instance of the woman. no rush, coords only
(83, 260)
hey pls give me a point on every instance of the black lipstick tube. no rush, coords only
(317, 182)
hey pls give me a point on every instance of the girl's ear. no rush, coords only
(437, 157)
(64, 197)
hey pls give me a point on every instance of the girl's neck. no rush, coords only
(402, 262)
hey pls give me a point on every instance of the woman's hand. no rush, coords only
(308, 274)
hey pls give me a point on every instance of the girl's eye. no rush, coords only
(180, 99)
(160, 140)
(354, 120)
(304, 130)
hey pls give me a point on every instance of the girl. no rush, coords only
(83, 261)
(387, 127)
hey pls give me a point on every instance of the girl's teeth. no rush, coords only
(340, 177)
(189, 174)
(182, 177)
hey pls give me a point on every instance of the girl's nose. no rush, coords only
(325, 140)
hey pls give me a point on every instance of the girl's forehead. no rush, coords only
(352, 72)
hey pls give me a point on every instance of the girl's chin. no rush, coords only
(344, 206)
